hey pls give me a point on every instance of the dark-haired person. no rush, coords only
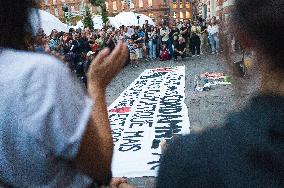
(248, 150)
(195, 39)
(52, 133)
(179, 47)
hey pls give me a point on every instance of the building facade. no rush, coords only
(221, 9)
(180, 9)
(55, 7)
(158, 10)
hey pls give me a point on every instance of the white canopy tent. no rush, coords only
(124, 18)
(46, 21)
(131, 18)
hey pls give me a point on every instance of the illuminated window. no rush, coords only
(140, 3)
(151, 15)
(150, 3)
(187, 5)
(181, 5)
(174, 5)
(106, 5)
(132, 5)
(187, 14)
(114, 7)
(181, 15)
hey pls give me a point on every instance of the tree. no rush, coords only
(88, 20)
(101, 3)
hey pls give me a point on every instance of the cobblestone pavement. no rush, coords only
(206, 109)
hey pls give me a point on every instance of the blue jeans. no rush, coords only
(214, 42)
(152, 49)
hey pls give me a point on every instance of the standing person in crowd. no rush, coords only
(152, 43)
(52, 133)
(147, 30)
(213, 32)
(179, 48)
(247, 151)
(203, 37)
(164, 32)
(185, 31)
(195, 39)
(159, 41)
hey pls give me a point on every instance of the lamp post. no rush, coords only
(65, 9)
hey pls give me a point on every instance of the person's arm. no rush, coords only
(96, 150)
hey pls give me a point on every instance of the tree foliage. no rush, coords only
(101, 3)
(88, 18)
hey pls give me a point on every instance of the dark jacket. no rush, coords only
(248, 151)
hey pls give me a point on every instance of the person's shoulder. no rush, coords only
(33, 61)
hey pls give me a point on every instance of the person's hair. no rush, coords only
(15, 24)
(263, 22)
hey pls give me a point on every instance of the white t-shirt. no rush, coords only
(43, 115)
(212, 30)
(165, 34)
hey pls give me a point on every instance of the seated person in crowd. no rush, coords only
(179, 47)
(165, 53)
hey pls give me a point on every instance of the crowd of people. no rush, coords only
(163, 42)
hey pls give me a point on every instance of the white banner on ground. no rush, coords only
(150, 109)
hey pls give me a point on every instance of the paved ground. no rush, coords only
(206, 109)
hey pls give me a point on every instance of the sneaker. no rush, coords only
(213, 53)
(198, 55)
(193, 55)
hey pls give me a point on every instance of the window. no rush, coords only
(140, 3)
(106, 3)
(187, 14)
(56, 11)
(187, 5)
(114, 7)
(181, 5)
(174, 5)
(150, 3)
(181, 15)
(132, 6)
(174, 14)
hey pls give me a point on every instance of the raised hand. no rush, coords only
(106, 66)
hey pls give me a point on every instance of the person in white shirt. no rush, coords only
(164, 32)
(52, 133)
(213, 32)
